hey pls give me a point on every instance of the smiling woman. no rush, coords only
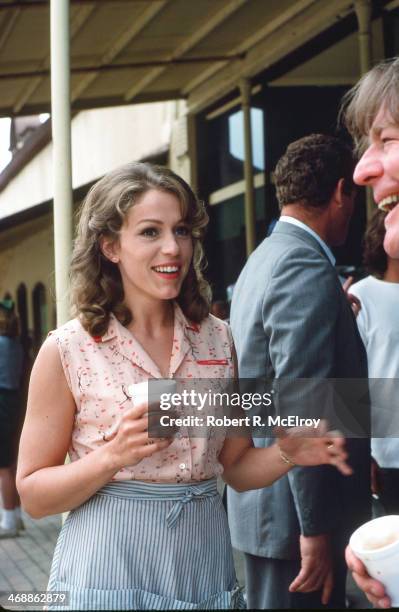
(136, 536)
(136, 207)
(154, 249)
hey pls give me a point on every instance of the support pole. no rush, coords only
(193, 152)
(250, 236)
(363, 9)
(62, 159)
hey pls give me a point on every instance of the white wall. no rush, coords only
(101, 140)
(29, 259)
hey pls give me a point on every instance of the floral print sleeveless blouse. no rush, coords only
(99, 371)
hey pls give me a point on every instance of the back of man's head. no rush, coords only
(309, 171)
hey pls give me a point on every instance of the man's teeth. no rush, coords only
(389, 203)
(166, 269)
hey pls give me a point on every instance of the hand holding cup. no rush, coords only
(373, 589)
(130, 442)
(375, 547)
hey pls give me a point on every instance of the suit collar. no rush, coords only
(282, 227)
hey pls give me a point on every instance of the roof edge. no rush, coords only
(34, 144)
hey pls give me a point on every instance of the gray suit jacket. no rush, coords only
(290, 318)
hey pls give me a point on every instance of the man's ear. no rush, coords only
(340, 193)
(109, 249)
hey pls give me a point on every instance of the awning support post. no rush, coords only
(250, 235)
(62, 158)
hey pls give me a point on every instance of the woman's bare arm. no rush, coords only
(246, 467)
(47, 485)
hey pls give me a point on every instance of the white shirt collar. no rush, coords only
(325, 247)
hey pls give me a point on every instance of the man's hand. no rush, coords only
(316, 567)
(354, 301)
(374, 590)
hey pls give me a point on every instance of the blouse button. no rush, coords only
(182, 466)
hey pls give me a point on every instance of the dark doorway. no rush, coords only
(39, 315)
(22, 307)
(294, 112)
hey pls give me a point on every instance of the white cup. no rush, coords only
(145, 392)
(376, 543)
(138, 392)
(151, 393)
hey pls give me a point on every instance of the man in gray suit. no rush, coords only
(291, 319)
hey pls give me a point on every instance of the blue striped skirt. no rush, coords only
(145, 546)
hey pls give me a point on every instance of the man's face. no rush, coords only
(379, 168)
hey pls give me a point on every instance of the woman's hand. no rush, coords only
(129, 443)
(305, 446)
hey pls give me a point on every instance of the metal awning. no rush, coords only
(125, 51)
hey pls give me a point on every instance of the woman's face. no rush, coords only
(154, 249)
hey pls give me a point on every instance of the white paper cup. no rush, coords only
(143, 392)
(151, 394)
(138, 392)
(376, 543)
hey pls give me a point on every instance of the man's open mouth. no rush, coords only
(389, 203)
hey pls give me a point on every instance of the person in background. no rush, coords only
(11, 411)
(220, 309)
(291, 319)
(378, 323)
(370, 111)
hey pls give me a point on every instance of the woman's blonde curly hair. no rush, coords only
(96, 284)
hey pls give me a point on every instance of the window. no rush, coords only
(221, 147)
(236, 137)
